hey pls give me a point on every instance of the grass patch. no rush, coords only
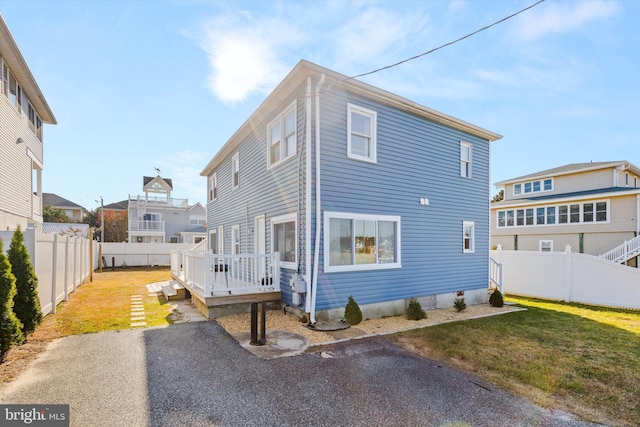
(105, 303)
(578, 358)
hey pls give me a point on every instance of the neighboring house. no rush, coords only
(74, 211)
(362, 192)
(593, 207)
(158, 217)
(23, 110)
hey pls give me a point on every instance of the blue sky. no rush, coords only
(136, 85)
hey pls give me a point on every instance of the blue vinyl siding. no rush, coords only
(416, 158)
(272, 192)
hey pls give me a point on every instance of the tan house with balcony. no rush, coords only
(23, 111)
(593, 207)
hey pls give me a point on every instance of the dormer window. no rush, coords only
(537, 186)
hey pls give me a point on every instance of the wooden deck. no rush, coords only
(227, 302)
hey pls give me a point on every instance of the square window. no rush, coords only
(517, 189)
(548, 184)
(361, 242)
(361, 133)
(545, 245)
(536, 186)
(527, 187)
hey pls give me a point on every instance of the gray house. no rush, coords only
(158, 217)
(362, 193)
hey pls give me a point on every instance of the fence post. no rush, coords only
(66, 267)
(54, 269)
(568, 278)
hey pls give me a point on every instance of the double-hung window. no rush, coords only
(361, 133)
(468, 237)
(284, 239)
(361, 242)
(465, 160)
(213, 241)
(235, 170)
(281, 136)
(213, 187)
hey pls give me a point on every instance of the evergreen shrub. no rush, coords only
(26, 302)
(10, 326)
(352, 312)
(415, 311)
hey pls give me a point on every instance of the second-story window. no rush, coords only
(281, 136)
(213, 187)
(235, 170)
(465, 160)
(361, 133)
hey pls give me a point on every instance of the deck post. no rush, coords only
(254, 324)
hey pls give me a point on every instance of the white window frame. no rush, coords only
(236, 247)
(284, 152)
(328, 216)
(235, 171)
(292, 217)
(373, 116)
(213, 237)
(546, 241)
(556, 214)
(466, 163)
(472, 237)
(213, 187)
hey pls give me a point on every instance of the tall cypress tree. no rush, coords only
(26, 302)
(10, 326)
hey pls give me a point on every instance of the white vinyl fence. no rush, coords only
(61, 264)
(139, 254)
(570, 277)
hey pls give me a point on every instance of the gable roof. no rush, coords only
(58, 202)
(14, 59)
(148, 179)
(298, 76)
(572, 168)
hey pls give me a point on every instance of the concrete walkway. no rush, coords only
(195, 374)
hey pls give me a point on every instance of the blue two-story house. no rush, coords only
(361, 193)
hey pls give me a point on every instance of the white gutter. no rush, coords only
(316, 255)
(307, 197)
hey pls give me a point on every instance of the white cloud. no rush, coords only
(549, 18)
(246, 56)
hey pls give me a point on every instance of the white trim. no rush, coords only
(235, 240)
(221, 239)
(363, 217)
(281, 219)
(472, 237)
(280, 120)
(373, 116)
(213, 236)
(213, 187)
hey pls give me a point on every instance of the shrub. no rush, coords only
(496, 299)
(10, 326)
(459, 304)
(415, 311)
(352, 312)
(26, 302)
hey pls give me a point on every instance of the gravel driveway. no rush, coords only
(195, 374)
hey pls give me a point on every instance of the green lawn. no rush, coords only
(578, 358)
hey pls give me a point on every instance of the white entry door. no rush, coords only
(260, 244)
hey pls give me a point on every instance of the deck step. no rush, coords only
(174, 291)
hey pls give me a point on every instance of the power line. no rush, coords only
(444, 45)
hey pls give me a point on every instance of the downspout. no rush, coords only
(307, 197)
(316, 255)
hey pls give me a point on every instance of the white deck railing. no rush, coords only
(144, 225)
(222, 275)
(625, 251)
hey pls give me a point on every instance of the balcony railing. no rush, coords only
(143, 225)
(213, 275)
(162, 201)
